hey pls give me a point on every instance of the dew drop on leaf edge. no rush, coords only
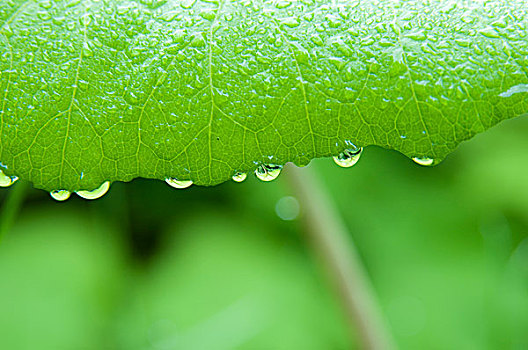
(60, 195)
(6, 181)
(268, 172)
(95, 194)
(239, 177)
(348, 157)
(179, 184)
(423, 161)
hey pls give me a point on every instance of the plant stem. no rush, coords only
(11, 207)
(331, 241)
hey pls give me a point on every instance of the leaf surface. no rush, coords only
(94, 91)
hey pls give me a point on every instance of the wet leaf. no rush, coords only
(94, 91)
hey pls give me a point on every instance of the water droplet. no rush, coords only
(424, 161)
(60, 195)
(268, 172)
(85, 20)
(73, 3)
(287, 208)
(7, 30)
(95, 194)
(179, 184)
(521, 88)
(317, 40)
(291, 22)
(44, 15)
(46, 4)
(489, 33)
(417, 36)
(348, 157)
(198, 41)
(87, 50)
(187, 4)
(239, 177)
(162, 78)
(463, 42)
(6, 181)
(208, 14)
(282, 4)
(333, 21)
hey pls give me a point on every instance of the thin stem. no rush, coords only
(331, 241)
(11, 207)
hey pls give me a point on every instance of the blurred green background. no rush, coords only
(150, 267)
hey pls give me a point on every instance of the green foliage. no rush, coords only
(197, 90)
(446, 249)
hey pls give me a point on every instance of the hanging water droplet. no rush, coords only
(348, 157)
(179, 184)
(268, 172)
(239, 177)
(95, 194)
(6, 181)
(60, 195)
(424, 161)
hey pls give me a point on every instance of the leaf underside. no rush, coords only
(94, 91)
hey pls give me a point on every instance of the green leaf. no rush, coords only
(95, 91)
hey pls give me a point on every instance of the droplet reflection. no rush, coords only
(239, 177)
(348, 157)
(179, 184)
(423, 161)
(268, 172)
(6, 181)
(60, 195)
(95, 194)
